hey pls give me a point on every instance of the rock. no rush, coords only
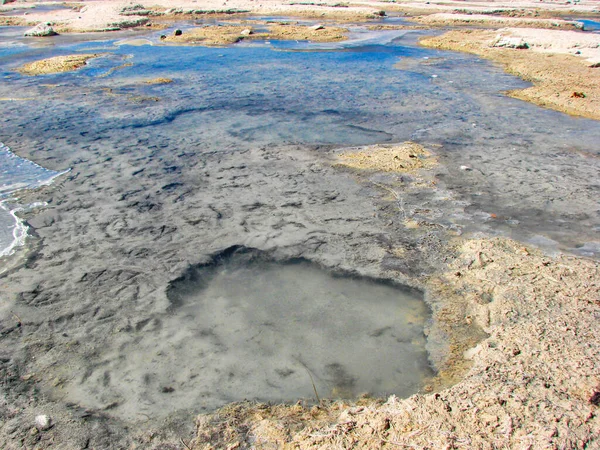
(317, 27)
(177, 33)
(41, 30)
(43, 422)
(163, 37)
(510, 42)
(465, 168)
(246, 32)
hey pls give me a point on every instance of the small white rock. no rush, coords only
(43, 422)
(317, 27)
(41, 30)
(465, 168)
(510, 42)
(246, 32)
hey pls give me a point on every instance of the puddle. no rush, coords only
(590, 25)
(247, 327)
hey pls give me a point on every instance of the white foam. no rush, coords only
(19, 232)
(45, 177)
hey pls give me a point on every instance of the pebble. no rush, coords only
(467, 168)
(43, 422)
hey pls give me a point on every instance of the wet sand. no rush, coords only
(515, 331)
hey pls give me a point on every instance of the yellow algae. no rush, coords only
(407, 157)
(56, 64)
(159, 80)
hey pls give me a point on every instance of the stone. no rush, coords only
(246, 32)
(510, 42)
(43, 422)
(177, 33)
(317, 27)
(42, 29)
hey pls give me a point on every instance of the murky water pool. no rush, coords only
(247, 327)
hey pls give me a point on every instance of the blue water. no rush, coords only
(590, 25)
(378, 87)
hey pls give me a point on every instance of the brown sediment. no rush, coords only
(209, 35)
(114, 69)
(12, 21)
(556, 77)
(306, 33)
(143, 99)
(159, 80)
(407, 157)
(16, 99)
(56, 64)
(230, 34)
(529, 382)
(492, 21)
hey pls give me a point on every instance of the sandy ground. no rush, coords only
(523, 356)
(408, 157)
(56, 65)
(562, 80)
(492, 21)
(230, 34)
